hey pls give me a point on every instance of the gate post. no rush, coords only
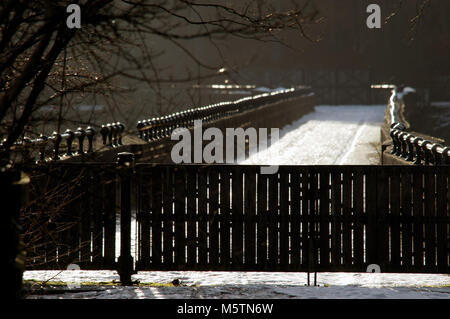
(125, 166)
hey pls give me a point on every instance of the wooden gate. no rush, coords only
(324, 218)
(231, 217)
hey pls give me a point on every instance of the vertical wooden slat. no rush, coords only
(358, 215)
(273, 219)
(304, 187)
(295, 218)
(180, 217)
(98, 217)
(418, 219)
(324, 211)
(61, 240)
(50, 180)
(202, 217)
(383, 218)
(167, 217)
(262, 247)
(156, 216)
(143, 208)
(347, 218)
(225, 220)
(70, 215)
(237, 218)
(250, 218)
(371, 211)
(284, 218)
(430, 215)
(443, 216)
(313, 196)
(394, 196)
(191, 192)
(86, 212)
(109, 184)
(214, 217)
(336, 207)
(406, 219)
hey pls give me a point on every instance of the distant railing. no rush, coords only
(412, 147)
(61, 146)
(161, 127)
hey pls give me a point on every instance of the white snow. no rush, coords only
(250, 285)
(341, 135)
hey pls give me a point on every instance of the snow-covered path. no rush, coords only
(251, 285)
(347, 134)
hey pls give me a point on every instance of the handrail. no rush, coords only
(408, 146)
(161, 127)
(42, 143)
(46, 148)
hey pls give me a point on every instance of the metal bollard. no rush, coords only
(140, 125)
(121, 132)
(80, 134)
(410, 157)
(104, 132)
(446, 156)
(418, 160)
(110, 134)
(69, 136)
(426, 152)
(56, 139)
(436, 155)
(90, 133)
(41, 141)
(115, 131)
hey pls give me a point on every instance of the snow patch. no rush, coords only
(341, 135)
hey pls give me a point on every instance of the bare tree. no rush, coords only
(44, 62)
(422, 6)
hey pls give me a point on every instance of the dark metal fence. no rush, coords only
(68, 145)
(417, 149)
(407, 145)
(161, 127)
